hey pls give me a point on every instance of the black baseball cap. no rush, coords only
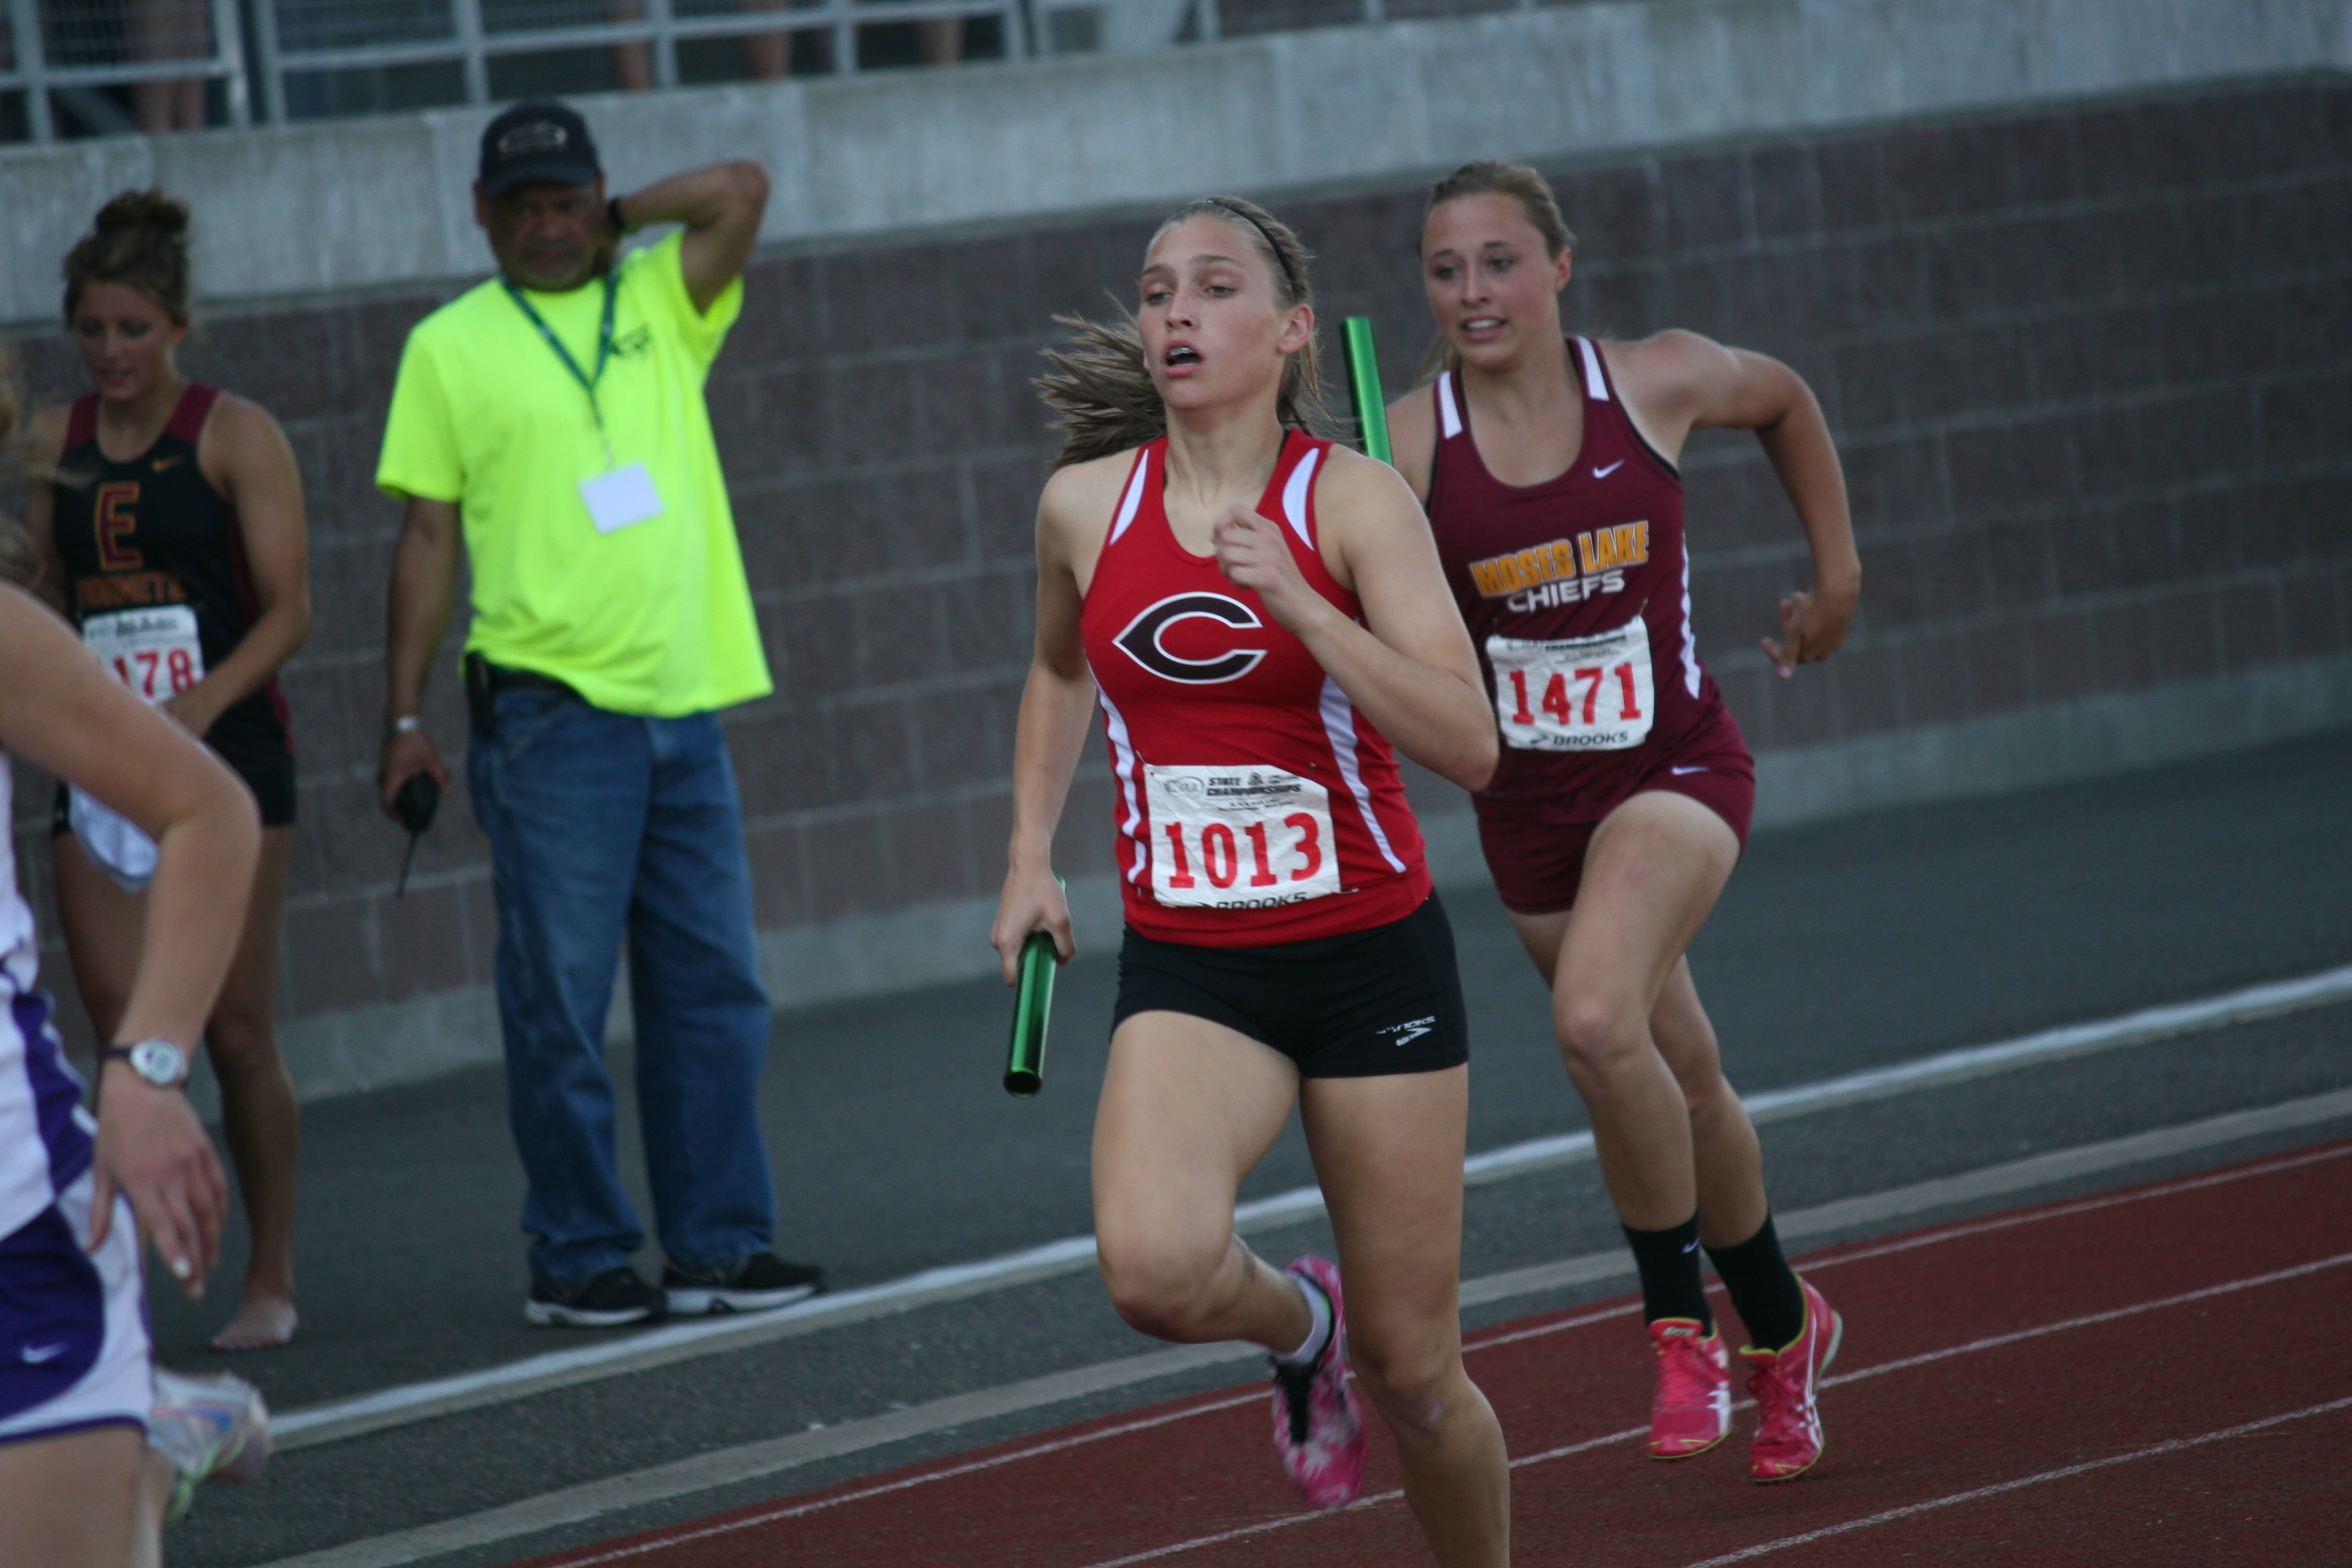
(537, 139)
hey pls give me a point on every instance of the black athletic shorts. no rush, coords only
(1387, 1000)
(262, 759)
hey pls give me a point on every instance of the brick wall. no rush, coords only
(2090, 370)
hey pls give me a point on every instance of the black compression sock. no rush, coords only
(1763, 1288)
(1668, 1261)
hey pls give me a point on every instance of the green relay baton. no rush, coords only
(1033, 1011)
(1364, 386)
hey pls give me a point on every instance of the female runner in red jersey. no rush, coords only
(1624, 792)
(1259, 613)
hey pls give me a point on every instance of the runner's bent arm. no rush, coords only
(1679, 382)
(1058, 703)
(424, 590)
(1413, 673)
(720, 207)
(256, 470)
(62, 711)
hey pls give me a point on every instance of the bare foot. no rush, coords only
(260, 1324)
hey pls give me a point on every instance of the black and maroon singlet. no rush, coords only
(157, 582)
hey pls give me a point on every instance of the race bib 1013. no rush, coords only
(1574, 694)
(1239, 838)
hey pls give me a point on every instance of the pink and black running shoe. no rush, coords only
(1318, 1429)
(1692, 1411)
(1784, 1381)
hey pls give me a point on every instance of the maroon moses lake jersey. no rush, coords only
(1577, 593)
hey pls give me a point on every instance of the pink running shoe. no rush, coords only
(1692, 1412)
(1318, 1429)
(1788, 1424)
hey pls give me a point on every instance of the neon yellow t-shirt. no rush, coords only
(653, 618)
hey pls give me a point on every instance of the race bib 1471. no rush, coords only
(153, 651)
(1239, 838)
(1574, 694)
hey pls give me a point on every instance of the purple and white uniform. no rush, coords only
(73, 1324)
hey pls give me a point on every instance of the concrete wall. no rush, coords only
(370, 203)
(2090, 366)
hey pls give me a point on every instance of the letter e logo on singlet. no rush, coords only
(114, 517)
(1142, 641)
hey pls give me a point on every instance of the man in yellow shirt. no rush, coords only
(555, 415)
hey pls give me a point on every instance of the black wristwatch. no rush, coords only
(159, 1062)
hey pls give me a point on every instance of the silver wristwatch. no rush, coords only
(159, 1062)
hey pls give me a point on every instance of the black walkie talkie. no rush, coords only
(416, 802)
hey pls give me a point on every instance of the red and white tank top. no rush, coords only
(1577, 593)
(1256, 804)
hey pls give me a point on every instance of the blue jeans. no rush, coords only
(604, 826)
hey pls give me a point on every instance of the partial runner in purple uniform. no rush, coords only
(1547, 464)
(94, 1446)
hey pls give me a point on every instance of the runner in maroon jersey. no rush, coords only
(1624, 792)
(1263, 612)
(171, 534)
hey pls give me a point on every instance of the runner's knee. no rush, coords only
(1411, 1379)
(1164, 1289)
(1598, 1031)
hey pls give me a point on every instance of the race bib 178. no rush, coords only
(1239, 838)
(153, 651)
(1574, 694)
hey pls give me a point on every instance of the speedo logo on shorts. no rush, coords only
(1406, 1033)
(1589, 554)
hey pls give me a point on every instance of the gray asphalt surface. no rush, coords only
(1858, 943)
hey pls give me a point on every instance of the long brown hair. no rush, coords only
(1500, 176)
(140, 241)
(1098, 384)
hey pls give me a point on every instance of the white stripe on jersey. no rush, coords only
(1448, 417)
(1690, 637)
(1295, 494)
(1130, 818)
(1340, 728)
(1594, 381)
(1133, 499)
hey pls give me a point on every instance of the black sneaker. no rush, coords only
(615, 1297)
(756, 1284)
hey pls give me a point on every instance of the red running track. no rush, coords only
(2152, 1376)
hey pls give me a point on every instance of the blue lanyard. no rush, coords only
(603, 350)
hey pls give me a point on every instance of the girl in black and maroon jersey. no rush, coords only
(169, 529)
(1261, 621)
(1547, 466)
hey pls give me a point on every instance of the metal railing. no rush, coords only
(113, 66)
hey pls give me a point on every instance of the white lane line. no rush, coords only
(658, 1347)
(1910, 1510)
(756, 1461)
(1906, 1364)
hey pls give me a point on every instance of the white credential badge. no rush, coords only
(1239, 838)
(1574, 694)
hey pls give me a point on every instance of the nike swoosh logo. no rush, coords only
(36, 1355)
(1604, 473)
(1692, 1245)
(1680, 772)
(163, 463)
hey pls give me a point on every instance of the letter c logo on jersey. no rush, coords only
(1141, 640)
